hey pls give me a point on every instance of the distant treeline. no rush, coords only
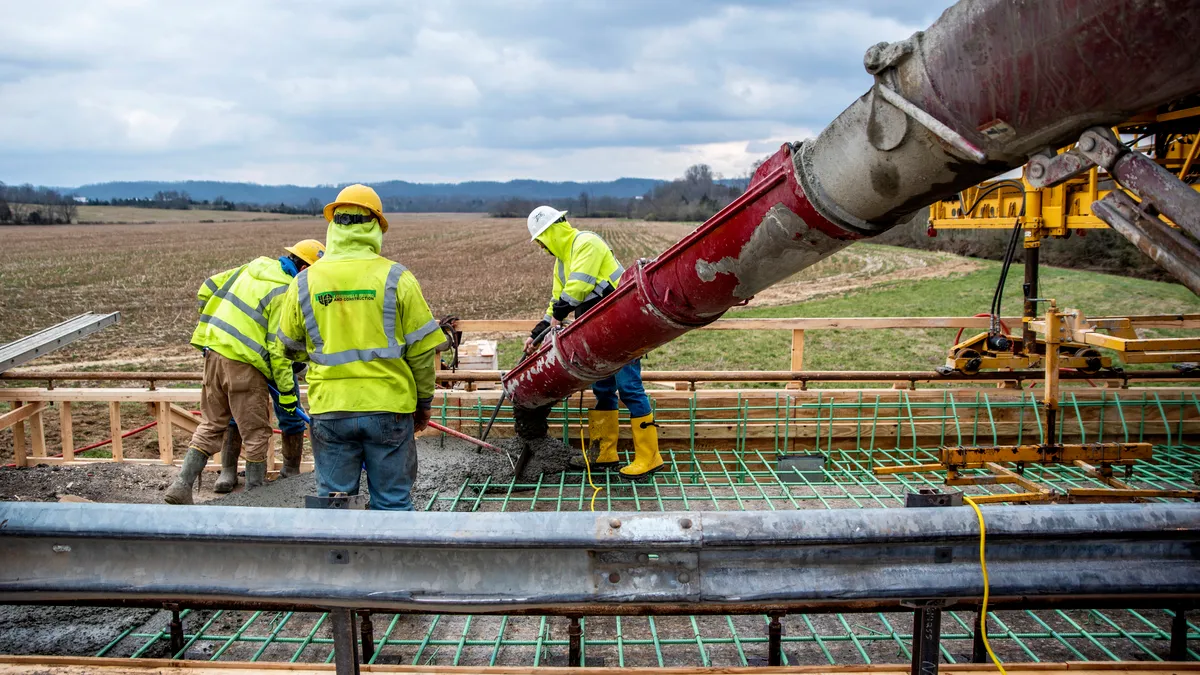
(695, 197)
(181, 200)
(27, 205)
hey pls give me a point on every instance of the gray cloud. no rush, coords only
(424, 90)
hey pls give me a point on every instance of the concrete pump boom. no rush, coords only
(989, 84)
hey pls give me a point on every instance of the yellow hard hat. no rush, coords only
(358, 195)
(309, 250)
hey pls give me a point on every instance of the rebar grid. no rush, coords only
(746, 478)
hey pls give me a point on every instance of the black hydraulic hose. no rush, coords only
(1011, 249)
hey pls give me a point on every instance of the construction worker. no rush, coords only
(291, 429)
(585, 271)
(239, 315)
(367, 333)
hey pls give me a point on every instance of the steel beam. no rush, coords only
(45, 341)
(594, 563)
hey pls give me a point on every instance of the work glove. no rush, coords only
(289, 404)
(561, 309)
(537, 331)
(421, 419)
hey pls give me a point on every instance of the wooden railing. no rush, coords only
(798, 326)
(30, 405)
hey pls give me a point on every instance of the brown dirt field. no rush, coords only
(469, 265)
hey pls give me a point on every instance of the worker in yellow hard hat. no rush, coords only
(244, 368)
(585, 270)
(364, 328)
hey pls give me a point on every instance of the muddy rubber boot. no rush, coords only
(180, 491)
(646, 458)
(603, 428)
(227, 481)
(256, 474)
(292, 450)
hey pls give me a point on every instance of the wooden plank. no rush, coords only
(1032, 454)
(166, 449)
(1120, 493)
(139, 395)
(52, 665)
(861, 323)
(1032, 486)
(66, 428)
(37, 435)
(907, 468)
(20, 413)
(184, 419)
(488, 397)
(114, 428)
(813, 323)
(1001, 498)
(20, 454)
(797, 356)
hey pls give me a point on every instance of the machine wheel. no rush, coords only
(1091, 359)
(972, 361)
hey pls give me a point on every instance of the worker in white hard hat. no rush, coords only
(585, 270)
(244, 369)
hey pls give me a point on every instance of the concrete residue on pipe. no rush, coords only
(781, 245)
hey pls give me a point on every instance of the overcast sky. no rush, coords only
(320, 91)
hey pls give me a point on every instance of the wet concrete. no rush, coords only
(65, 630)
(443, 466)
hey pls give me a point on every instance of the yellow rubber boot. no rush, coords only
(646, 458)
(602, 440)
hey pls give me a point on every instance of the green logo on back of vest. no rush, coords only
(326, 298)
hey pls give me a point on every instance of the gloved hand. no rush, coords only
(561, 309)
(421, 419)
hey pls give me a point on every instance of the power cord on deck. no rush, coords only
(587, 465)
(983, 566)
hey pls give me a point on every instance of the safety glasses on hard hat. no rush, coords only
(351, 218)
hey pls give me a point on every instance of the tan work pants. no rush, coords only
(238, 390)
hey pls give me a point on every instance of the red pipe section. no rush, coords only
(689, 285)
(1009, 77)
(461, 436)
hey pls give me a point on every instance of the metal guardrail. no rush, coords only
(596, 563)
(45, 341)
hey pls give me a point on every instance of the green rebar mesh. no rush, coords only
(745, 476)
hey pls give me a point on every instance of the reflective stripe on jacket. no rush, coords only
(359, 319)
(239, 316)
(585, 270)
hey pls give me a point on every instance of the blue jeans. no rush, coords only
(384, 444)
(628, 383)
(289, 422)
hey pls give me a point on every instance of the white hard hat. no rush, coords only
(542, 218)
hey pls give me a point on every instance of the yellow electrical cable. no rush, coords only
(983, 566)
(587, 464)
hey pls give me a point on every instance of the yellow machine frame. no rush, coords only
(1056, 328)
(1060, 210)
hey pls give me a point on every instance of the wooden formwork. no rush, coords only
(763, 420)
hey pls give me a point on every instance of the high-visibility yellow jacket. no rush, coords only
(239, 316)
(585, 270)
(362, 324)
